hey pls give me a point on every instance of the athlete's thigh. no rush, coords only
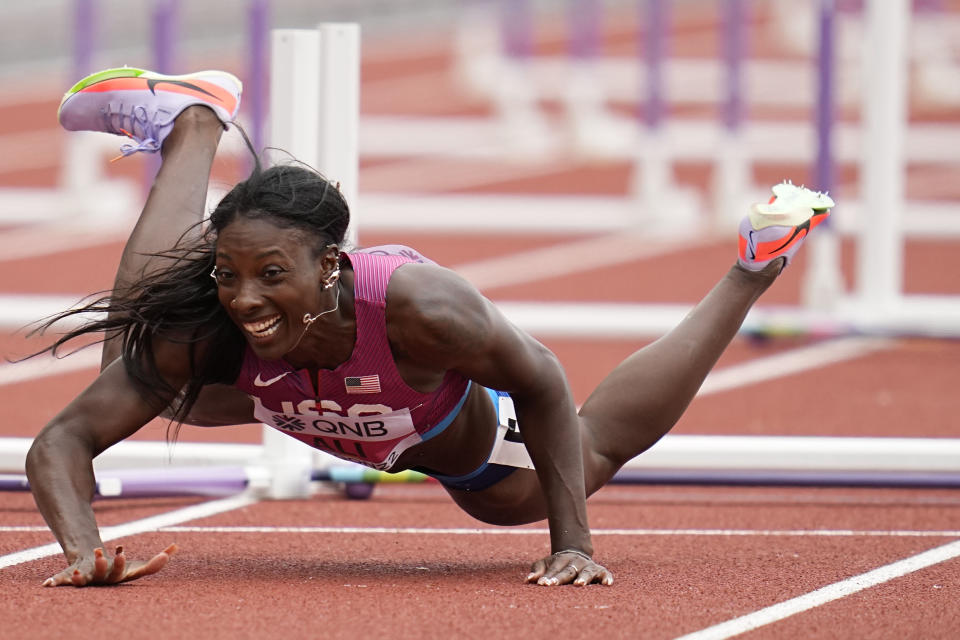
(626, 415)
(516, 499)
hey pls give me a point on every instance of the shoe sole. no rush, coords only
(763, 216)
(128, 78)
(771, 215)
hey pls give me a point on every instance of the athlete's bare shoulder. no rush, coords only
(434, 311)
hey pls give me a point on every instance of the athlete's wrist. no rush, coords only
(580, 542)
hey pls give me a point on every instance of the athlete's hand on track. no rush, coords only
(566, 567)
(101, 570)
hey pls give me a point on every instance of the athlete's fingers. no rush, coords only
(152, 565)
(101, 566)
(119, 566)
(78, 579)
(62, 578)
(593, 573)
(537, 569)
(562, 570)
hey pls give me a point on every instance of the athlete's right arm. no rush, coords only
(59, 466)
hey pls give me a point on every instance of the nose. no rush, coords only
(246, 297)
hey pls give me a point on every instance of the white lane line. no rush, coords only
(44, 366)
(151, 523)
(446, 176)
(559, 260)
(458, 531)
(791, 362)
(40, 240)
(835, 591)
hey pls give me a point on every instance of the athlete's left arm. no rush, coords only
(443, 319)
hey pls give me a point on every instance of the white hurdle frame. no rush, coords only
(315, 116)
(879, 305)
(884, 106)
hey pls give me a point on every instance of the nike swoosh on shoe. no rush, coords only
(153, 82)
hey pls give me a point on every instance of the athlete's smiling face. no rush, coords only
(267, 278)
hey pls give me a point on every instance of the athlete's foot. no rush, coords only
(143, 105)
(772, 233)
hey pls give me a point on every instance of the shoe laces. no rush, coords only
(137, 125)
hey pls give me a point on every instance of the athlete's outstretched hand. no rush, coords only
(98, 569)
(566, 567)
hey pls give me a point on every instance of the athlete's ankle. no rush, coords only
(198, 116)
(195, 122)
(764, 277)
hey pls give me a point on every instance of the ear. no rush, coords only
(331, 256)
(330, 262)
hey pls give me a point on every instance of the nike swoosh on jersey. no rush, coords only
(153, 82)
(257, 382)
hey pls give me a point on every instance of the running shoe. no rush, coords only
(778, 228)
(142, 105)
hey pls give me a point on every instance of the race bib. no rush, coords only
(375, 440)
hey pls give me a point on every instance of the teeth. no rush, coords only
(263, 327)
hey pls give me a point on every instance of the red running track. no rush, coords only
(684, 558)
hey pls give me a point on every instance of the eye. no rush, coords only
(222, 276)
(273, 272)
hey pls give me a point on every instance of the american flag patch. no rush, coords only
(362, 384)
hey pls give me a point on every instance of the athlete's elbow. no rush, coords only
(550, 369)
(546, 379)
(53, 446)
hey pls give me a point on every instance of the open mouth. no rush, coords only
(263, 328)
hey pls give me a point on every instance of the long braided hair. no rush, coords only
(178, 302)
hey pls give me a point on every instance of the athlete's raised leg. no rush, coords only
(183, 118)
(644, 396)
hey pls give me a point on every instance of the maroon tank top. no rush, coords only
(364, 411)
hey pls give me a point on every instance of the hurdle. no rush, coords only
(759, 461)
(880, 147)
(85, 201)
(314, 114)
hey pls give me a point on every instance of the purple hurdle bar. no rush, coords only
(164, 34)
(585, 28)
(163, 26)
(139, 483)
(255, 91)
(83, 38)
(734, 39)
(823, 169)
(227, 481)
(516, 28)
(654, 50)
(786, 478)
(211, 481)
